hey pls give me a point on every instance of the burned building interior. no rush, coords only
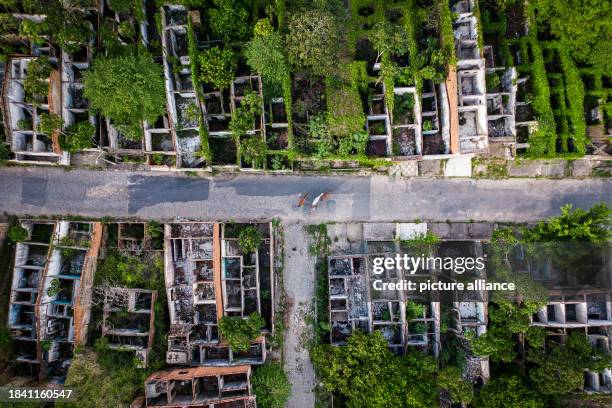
(208, 277)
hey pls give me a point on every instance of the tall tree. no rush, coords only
(127, 89)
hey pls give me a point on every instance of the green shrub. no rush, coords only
(77, 136)
(17, 233)
(447, 34)
(36, 83)
(105, 378)
(121, 5)
(508, 392)
(253, 150)
(49, 123)
(493, 82)
(45, 345)
(312, 41)
(542, 143)
(229, 21)
(5, 152)
(414, 310)
(574, 89)
(249, 239)
(354, 144)
(389, 38)
(320, 137)
(271, 386)
(239, 332)
(243, 117)
(344, 111)
(217, 67)
(576, 225)
(53, 289)
(24, 124)
(158, 159)
(460, 390)
(368, 374)
(584, 34)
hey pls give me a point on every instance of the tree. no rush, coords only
(249, 239)
(560, 367)
(265, 54)
(17, 233)
(368, 374)
(33, 31)
(271, 386)
(126, 89)
(313, 41)
(217, 67)
(229, 21)
(585, 33)
(239, 332)
(67, 23)
(460, 391)
(36, 83)
(243, 117)
(507, 392)
(254, 150)
(575, 225)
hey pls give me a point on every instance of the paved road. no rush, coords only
(38, 191)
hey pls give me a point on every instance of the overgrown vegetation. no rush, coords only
(271, 386)
(17, 233)
(239, 332)
(249, 239)
(368, 374)
(128, 90)
(552, 368)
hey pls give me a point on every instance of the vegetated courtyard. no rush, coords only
(274, 84)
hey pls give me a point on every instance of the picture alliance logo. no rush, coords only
(412, 265)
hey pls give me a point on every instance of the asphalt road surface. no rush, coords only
(242, 197)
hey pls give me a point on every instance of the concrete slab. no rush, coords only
(480, 230)
(582, 168)
(460, 166)
(458, 231)
(408, 168)
(429, 168)
(538, 168)
(379, 231)
(440, 229)
(354, 232)
(411, 230)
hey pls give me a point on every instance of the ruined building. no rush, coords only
(408, 319)
(580, 299)
(210, 387)
(50, 302)
(128, 320)
(208, 277)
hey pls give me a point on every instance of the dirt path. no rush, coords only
(299, 288)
